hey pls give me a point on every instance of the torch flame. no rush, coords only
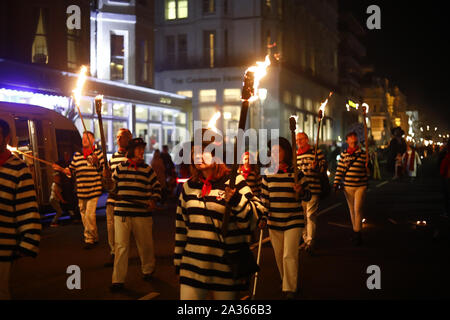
(80, 83)
(12, 149)
(366, 106)
(260, 70)
(324, 104)
(212, 122)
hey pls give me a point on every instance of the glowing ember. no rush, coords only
(80, 83)
(259, 71)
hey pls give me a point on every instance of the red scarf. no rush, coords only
(351, 151)
(411, 160)
(206, 189)
(87, 152)
(283, 167)
(4, 157)
(246, 172)
(301, 151)
(132, 164)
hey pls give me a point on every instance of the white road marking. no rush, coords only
(382, 184)
(340, 225)
(150, 296)
(392, 221)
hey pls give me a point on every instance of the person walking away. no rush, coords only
(199, 247)
(170, 169)
(19, 216)
(411, 161)
(57, 200)
(311, 169)
(123, 137)
(86, 166)
(160, 170)
(284, 213)
(351, 175)
(138, 190)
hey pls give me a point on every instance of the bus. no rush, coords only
(42, 133)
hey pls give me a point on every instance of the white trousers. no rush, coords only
(110, 225)
(191, 293)
(5, 280)
(285, 247)
(310, 209)
(89, 219)
(142, 228)
(355, 199)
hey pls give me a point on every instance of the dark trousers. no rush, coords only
(445, 191)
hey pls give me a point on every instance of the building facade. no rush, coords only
(204, 47)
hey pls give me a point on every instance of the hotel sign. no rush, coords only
(206, 80)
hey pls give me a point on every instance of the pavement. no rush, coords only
(413, 261)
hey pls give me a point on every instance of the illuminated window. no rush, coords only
(206, 113)
(39, 50)
(209, 6)
(116, 125)
(86, 106)
(155, 115)
(207, 96)
(287, 97)
(141, 113)
(231, 117)
(168, 116)
(73, 40)
(209, 45)
(117, 57)
(176, 9)
(106, 125)
(187, 93)
(120, 110)
(298, 101)
(180, 118)
(232, 95)
(308, 105)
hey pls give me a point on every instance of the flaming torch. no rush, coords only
(321, 115)
(77, 94)
(14, 149)
(252, 77)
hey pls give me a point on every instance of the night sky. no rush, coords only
(411, 50)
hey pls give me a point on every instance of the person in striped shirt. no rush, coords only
(87, 167)
(284, 213)
(199, 250)
(351, 175)
(311, 167)
(250, 171)
(138, 190)
(19, 217)
(124, 136)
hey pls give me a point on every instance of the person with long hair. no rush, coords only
(199, 245)
(284, 213)
(250, 171)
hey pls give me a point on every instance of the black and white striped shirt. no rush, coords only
(305, 161)
(278, 196)
(88, 176)
(356, 174)
(254, 181)
(116, 159)
(198, 250)
(139, 184)
(20, 224)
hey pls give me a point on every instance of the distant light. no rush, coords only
(182, 180)
(328, 173)
(364, 220)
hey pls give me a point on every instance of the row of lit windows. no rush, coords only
(299, 102)
(178, 9)
(210, 95)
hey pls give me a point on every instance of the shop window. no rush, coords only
(180, 118)
(168, 116)
(86, 106)
(298, 101)
(232, 95)
(97, 135)
(231, 117)
(141, 113)
(207, 96)
(155, 115)
(120, 110)
(187, 93)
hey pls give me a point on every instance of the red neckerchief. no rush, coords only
(411, 160)
(245, 172)
(122, 150)
(87, 152)
(283, 167)
(207, 186)
(133, 163)
(301, 151)
(4, 157)
(351, 151)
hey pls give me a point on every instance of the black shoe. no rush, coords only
(357, 239)
(89, 246)
(110, 263)
(289, 295)
(148, 276)
(117, 287)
